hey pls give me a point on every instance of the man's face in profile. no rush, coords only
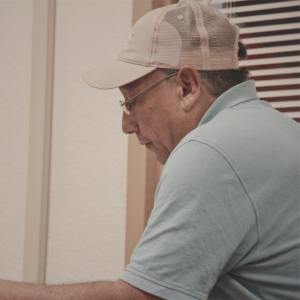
(152, 114)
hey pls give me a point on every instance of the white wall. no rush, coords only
(15, 68)
(89, 151)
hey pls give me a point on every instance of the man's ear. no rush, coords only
(188, 87)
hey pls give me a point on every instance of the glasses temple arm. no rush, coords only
(148, 88)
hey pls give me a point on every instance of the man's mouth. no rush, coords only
(146, 144)
(143, 142)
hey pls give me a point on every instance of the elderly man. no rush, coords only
(225, 224)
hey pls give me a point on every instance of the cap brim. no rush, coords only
(115, 74)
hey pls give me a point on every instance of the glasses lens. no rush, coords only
(124, 107)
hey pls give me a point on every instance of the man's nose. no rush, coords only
(129, 125)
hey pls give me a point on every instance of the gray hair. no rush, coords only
(219, 81)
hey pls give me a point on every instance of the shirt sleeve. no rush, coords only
(202, 226)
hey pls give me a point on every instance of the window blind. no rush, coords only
(270, 30)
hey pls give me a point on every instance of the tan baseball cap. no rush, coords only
(186, 33)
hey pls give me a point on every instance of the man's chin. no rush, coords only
(161, 160)
(161, 156)
(150, 146)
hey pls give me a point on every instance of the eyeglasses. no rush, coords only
(128, 105)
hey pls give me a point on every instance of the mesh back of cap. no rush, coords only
(195, 34)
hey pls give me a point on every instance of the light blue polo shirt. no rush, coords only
(226, 219)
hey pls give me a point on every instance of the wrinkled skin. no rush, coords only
(164, 114)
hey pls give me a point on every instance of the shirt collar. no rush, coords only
(242, 92)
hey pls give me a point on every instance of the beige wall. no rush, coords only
(89, 151)
(86, 238)
(15, 68)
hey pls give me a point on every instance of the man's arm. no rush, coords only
(100, 290)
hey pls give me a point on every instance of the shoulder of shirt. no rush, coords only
(214, 134)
